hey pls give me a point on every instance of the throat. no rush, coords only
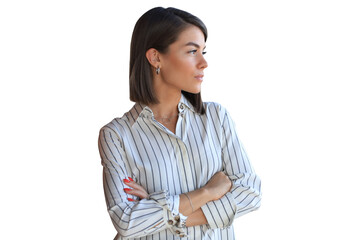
(166, 119)
(168, 122)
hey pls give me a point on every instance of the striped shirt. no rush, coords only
(168, 164)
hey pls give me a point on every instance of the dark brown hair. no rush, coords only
(157, 28)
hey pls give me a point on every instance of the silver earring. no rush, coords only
(157, 70)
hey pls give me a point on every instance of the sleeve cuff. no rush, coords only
(174, 220)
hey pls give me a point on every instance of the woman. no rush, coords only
(173, 165)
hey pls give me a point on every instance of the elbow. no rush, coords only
(256, 195)
(124, 231)
(128, 227)
(256, 201)
(251, 201)
(121, 234)
(251, 206)
(120, 225)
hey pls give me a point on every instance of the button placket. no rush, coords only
(181, 107)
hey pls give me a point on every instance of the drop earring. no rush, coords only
(157, 70)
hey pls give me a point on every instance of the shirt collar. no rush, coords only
(186, 103)
(140, 110)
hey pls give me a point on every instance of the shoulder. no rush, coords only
(113, 130)
(213, 105)
(115, 125)
(121, 125)
(214, 108)
(223, 117)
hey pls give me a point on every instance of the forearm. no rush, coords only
(196, 200)
(191, 203)
(196, 218)
(195, 215)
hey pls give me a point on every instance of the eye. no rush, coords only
(192, 51)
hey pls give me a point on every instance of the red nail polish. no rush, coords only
(127, 181)
(130, 199)
(131, 179)
(127, 189)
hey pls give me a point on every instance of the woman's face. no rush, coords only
(182, 67)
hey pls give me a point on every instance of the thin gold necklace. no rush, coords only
(165, 119)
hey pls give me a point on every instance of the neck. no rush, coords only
(168, 104)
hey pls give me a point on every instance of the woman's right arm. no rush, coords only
(134, 219)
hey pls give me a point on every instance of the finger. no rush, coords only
(133, 184)
(135, 192)
(132, 200)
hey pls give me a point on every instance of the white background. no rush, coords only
(287, 71)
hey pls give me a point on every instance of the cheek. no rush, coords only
(182, 67)
(180, 64)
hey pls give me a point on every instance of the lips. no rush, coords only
(199, 77)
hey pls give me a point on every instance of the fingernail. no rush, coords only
(130, 199)
(127, 181)
(131, 179)
(127, 189)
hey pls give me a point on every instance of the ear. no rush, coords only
(152, 56)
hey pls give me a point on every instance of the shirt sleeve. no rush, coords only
(134, 219)
(245, 194)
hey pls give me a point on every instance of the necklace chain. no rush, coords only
(166, 119)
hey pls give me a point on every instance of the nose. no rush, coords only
(202, 62)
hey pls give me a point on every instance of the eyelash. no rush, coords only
(194, 51)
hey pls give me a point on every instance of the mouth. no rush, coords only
(199, 77)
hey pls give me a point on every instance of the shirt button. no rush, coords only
(177, 218)
(170, 222)
(182, 235)
(181, 106)
(177, 232)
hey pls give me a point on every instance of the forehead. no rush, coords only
(191, 34)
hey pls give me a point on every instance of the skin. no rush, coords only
(181, 68)
(184, 63)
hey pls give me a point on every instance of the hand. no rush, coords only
(136, 189)
(218, 185)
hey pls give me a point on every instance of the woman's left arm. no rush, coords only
(245, 194)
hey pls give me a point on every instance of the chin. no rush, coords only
(193, 91)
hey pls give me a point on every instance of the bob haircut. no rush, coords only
(158, 28)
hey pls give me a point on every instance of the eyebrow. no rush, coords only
(193, 44)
